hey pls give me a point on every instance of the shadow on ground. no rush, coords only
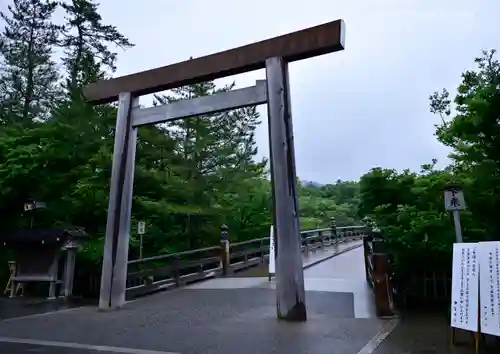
(429, 333)
(20, 307)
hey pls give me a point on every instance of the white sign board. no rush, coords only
(272, 252)
(465, 286)
(29, 206)
(454, 199)
(141, 227)
(489, 299)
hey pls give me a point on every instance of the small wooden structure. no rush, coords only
(38, 254)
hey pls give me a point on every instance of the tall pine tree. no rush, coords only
(214, 156)
(28, 74)
(86, 41)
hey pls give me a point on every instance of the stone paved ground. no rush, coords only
(218, 316)
(191, 321)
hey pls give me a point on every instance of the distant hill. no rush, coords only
(311, 184)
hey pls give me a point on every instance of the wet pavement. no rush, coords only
(202, 321)
(429, 333)
(224, 315)
(344, 273)
(28, 347)
(20, 307)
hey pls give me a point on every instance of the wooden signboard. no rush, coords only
(454, 199)
(465, 287)
(489, 299)
(141, 227)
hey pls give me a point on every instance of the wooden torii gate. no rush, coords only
(271, 54)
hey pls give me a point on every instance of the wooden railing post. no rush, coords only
(176, 272)
(367, 231)
(382, 289)
(305, 242)
(262, 252)
(321, 237)
(367, 251)
(224, 245)
(333, 228)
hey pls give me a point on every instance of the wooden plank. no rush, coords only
(139, 290)
(222, 101)
(151, 271)
(245, 264)
(303, 44)
(199, 262)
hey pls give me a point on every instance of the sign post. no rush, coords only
(454, 201)
(465, 287)
(272, 254)
(141, 230)
(489, 289)
(475, 292)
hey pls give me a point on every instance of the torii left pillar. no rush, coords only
(114, 267)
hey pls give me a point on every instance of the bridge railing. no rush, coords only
(378, 274)
(167, 271)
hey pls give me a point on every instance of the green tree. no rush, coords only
(409, 207)
(474, 135)
(318, 204)
(213, 162)
(28, 74)
(86, 42)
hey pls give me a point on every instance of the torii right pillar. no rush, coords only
(291, 304)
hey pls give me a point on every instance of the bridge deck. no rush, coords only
(225, 315)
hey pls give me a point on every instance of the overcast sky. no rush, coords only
(353, 110)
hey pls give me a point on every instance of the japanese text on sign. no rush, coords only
(490, 287)
(454, 199)
(465, 287)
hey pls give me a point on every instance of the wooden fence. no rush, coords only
(425, 285)
(171, 270)
(378, 274)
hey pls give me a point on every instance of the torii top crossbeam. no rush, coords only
(303, 44)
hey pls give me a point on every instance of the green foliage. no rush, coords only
(85, 39)
(28, 77)
(318, 204)
(409, 207)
